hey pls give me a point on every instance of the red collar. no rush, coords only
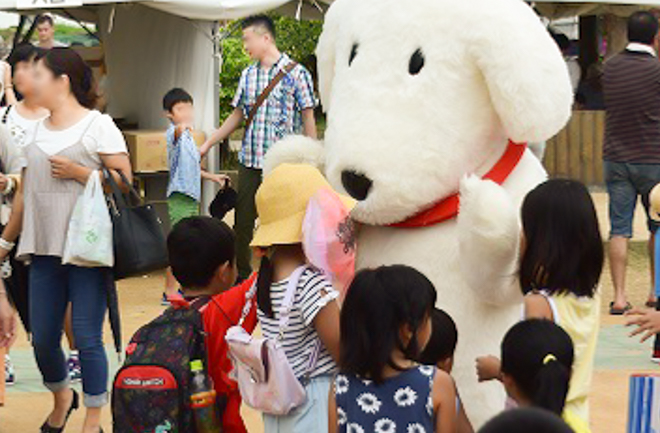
(448, 208)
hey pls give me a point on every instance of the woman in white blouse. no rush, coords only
(60, 153)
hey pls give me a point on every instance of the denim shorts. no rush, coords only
(625, 183)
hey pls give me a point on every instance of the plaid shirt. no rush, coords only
(279, 115)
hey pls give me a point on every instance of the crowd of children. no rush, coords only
(381, 358)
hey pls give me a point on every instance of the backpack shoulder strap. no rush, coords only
(289, 295)
(266, 92)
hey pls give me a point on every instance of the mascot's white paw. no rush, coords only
(295, 149)
(488, 241)
(486, 208)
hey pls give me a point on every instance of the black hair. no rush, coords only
(538, 355)
(444, 338)
(642, 27)
(175, 96)
(263, 21)
(197, 246)
(379, 302)
(264, 281)
(65, 61)
(526, 420)
(24, 53)
(561, 40)
(563, 245)
(42, 19)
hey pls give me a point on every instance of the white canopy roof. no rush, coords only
(564, 8)
(206, 10)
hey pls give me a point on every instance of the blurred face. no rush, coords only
(182, 113)
(24, 77)
(49, 91)
(256, 41)
(45, 32)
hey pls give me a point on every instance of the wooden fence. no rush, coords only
(577, 151)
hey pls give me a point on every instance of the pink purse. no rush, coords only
(329, 237)
(264, 375)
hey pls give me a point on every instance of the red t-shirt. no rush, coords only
(216, 324)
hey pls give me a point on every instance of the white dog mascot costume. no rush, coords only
(426, 100)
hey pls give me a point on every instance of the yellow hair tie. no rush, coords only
(549, 358)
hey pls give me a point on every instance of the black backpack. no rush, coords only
(151, 392)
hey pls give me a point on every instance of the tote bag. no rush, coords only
(138, 238)
(89, 237)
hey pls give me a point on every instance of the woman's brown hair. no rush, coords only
(65, 61)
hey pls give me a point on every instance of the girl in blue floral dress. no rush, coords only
(385, 322)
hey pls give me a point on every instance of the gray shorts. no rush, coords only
(625, 183)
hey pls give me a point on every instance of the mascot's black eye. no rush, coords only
(416, 62)
(353, 54)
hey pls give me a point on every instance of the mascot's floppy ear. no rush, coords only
(326, 51)
(524, 70)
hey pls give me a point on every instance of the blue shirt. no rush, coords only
(403, 403)
(184, 162)
(280, 115)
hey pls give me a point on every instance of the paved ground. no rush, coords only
(618, 356)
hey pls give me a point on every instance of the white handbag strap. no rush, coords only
(248, 302)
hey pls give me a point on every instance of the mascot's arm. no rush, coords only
(489, 240)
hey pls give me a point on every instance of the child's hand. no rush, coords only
(221, 179)
(647, 322)
(488, 368)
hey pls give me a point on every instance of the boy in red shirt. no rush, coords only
(201, 253)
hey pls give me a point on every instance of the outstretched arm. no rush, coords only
(228, 126)
(489, 240)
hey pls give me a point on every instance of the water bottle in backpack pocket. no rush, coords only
(152, 391)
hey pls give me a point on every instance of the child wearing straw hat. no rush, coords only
(313, 329)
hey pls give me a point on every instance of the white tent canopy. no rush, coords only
(564, 8)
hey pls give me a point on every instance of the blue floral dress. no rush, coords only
(402, 404)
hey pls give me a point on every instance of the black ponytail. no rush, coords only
(264, 281)
(552, 386)
(538, 355)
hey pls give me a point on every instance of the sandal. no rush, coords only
(620, 311)
(75, 404)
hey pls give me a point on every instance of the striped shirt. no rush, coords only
(279, 115)
(299, 338)
(631, 86)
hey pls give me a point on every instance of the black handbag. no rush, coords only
(138, 239)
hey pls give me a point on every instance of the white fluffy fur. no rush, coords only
(491, 73)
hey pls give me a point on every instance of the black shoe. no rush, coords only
(75, 403)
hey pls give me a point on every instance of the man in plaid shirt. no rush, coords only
(289, 109)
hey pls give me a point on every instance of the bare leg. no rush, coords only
(92, 420)
(63, 400)
(651, 247)
(618, 250)
(171, 284)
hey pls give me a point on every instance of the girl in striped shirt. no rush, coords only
(313, 326)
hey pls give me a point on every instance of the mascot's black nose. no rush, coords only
(357, 185)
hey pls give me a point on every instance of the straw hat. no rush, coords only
(654, 201)
(282, 202)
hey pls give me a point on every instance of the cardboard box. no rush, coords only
(148, 149)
